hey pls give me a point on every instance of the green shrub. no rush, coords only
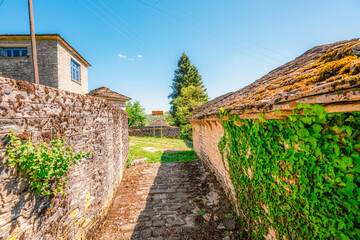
(299, 175)
(43, 165)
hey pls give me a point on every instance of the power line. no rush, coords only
(2, 2)
(213, 25)
(160, 18)
(138, 40)
(111, 25)
(193, 32)
(121, 19)
(207, 31)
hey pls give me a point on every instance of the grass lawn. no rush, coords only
(161, 150)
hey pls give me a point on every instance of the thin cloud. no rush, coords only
(122, 56)
(139, 56)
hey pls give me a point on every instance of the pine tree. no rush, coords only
(186, 75)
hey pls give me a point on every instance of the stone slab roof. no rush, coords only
(108, 94)
(327, 75)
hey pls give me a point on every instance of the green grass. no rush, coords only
(166, 151)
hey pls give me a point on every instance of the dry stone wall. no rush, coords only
(89, 123)
(168, 132)
(206, 137)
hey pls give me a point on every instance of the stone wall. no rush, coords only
(21, 68)
(169, 132)
(89, 123)
(206, 137)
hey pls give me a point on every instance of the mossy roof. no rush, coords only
(324, 74)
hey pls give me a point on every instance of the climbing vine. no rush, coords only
(297, 177)
(43, 165)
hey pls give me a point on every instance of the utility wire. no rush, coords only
(160, 18)
(209, 32)
(193, 32)
(218, 28)
(121, 19)
(132, 35)
(111, 25)
(2, 2)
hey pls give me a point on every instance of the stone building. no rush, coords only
(328, 75)
(60, 65)
(115, 98)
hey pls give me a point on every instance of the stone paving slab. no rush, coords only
(168, 201)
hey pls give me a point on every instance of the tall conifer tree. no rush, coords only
(184, 76)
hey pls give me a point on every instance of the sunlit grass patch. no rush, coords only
(161, 150)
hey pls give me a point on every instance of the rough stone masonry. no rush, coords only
(89, 123)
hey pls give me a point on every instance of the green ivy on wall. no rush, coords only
(298, 176)
(43, 165)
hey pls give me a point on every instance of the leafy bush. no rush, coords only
(298, 176)
(43, 165)
(136, 114)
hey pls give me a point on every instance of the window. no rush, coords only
(75, 71)
(14, 52)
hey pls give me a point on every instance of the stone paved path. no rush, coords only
(168, 201)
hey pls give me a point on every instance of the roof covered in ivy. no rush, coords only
(324, 74)
(108, 94)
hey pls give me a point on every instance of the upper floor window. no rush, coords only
(75, 71)
(14, 52)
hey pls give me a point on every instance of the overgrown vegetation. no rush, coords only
(188, 93)
(298, 177)
(136, 114)
(44, 165)
(161, 150)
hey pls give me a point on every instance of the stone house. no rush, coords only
(115, 98)
(60, 65)
(328, 75)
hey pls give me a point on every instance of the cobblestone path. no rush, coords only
(168, 201)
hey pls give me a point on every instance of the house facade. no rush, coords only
(60, 65)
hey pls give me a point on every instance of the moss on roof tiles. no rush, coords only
(329, 65)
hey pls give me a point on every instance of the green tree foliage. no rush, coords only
(136, 114)
(169, 119)
(184, 76)
(190, 98)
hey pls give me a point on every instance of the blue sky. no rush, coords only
(232, 42)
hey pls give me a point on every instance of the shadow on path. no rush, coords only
(179, 200)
